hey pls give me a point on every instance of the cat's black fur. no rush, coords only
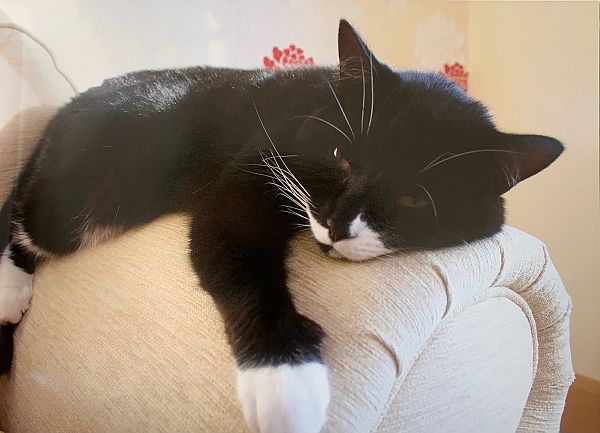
(198, 141)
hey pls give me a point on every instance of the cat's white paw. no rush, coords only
(286, 398)
(15, 290)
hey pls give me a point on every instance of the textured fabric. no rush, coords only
(121, 338)
(483, 360)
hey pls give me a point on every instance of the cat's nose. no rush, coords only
(337, 232)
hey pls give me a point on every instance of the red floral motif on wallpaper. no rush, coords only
(457, 73)
(289, 57)
(293, 56)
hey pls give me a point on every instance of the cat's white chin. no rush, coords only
(335, 254)
(356, 253)
(364, 243)
(285, 398)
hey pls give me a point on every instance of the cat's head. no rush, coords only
(412, 161)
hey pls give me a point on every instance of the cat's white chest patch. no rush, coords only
(285, 398)
(16, 288)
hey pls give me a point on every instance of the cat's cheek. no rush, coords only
(284, 398)
(321, 233)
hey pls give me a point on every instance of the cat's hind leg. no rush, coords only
(17, 264)
(16, 282)
(16, 288)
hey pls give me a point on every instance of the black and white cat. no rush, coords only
(371, 159)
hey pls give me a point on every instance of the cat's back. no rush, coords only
(138, 127)
(150, 112)
(152, 92)
(163, 120)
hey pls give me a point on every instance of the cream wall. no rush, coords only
(95, 39)
(536, 66)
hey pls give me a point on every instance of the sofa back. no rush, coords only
(32, 88)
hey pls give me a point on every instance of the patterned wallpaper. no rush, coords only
(139, 34)
(439, 46)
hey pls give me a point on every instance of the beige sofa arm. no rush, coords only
(120, 338)
(480, 370)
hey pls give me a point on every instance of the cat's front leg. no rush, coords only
(285, 397)
(282, 381)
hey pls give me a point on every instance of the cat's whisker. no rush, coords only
(298, 183)
(302, 225)
(293, 187)
(507, 177)
(301, 228)
(341, 108)
(261, 123)
(431, 165)
(296, 206)
(437, 158)
(386, 256)
(284, 173)
(283, 185)
(372, 94)
(253, 164)
(290, 194)
(287, 182)
(255, 173)
(291, 210)
(202, 188)
(117, 213)
(284, 192)
(280, 156)
(296, 209)
(81, 214)
(435, 214)
(294, 190)
(295, 214)
(362, 113)
(279, 181)
(330, 124)
(513, 178)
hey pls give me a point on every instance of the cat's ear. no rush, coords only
(525, 156)
(355, 58)
(506, 160)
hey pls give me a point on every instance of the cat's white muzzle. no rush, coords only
(363, 243)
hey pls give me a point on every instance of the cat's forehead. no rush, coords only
(426, 108)
(421, 116)
(429, 93)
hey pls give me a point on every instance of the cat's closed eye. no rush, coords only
(411, 201)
